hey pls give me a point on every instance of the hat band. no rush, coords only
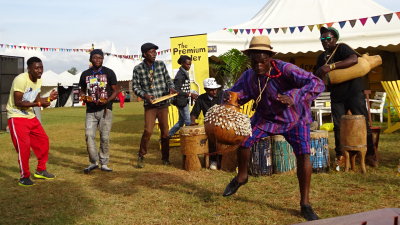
(260, 45)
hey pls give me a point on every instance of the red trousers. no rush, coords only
(27, 134)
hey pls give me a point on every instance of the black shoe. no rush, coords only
(140, 162)
(90, 168)
(26, 182)
(233, 186)
(166, 162)
(308, 213)
(43, 175)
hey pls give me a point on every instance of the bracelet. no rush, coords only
(39, 104)
(332, 66)
(48, 99)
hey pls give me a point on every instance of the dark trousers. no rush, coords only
(357, 106)
(150, 115)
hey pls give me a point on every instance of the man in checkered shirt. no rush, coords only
(151, 80)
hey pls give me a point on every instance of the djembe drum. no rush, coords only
(319, 156)
(193, 142)
(353, 137)
(261, 158)
(283, 158)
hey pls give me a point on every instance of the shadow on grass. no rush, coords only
(158, 182)
(47, 202)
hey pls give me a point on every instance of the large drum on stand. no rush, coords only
(193, 143)
(261, 158)
(319, 156)
(353, 137)
(283, 158)
(228, 127)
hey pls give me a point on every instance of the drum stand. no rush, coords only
(352, 154)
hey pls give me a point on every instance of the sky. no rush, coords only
(125, 23)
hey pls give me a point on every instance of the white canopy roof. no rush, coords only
(50, 78)
(68, 79)
(295, 13)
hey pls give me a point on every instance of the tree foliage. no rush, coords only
(73, 70)
(228, 67)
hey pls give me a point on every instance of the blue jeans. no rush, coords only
(184, 119)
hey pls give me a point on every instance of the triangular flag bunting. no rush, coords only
(375, 18)
(301, 28)
(363, 20)
(319, 26)
(241, 31)
(342, 23)
(284, 29)
(235, 31)
(292, 29)
(260, 30)
(329, 24)
(248, 31)
(352, 22)
(398, 14)
(269, 30)
(388, 17)
(311, 27)
(276, 30)
(253, 30)
(230, 30)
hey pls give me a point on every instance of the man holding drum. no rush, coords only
(151, 80)
(347, 95)
(275, 86)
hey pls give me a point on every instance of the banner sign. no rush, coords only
(194, 46)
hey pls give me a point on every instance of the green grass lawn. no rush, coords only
(160, 194)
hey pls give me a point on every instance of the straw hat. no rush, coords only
(260, 43)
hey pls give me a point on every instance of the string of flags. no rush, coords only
(45, 49)
(388, 17)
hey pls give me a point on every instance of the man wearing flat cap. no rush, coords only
(282, 94)
(98, 87)
(345, 96)
(151, 80)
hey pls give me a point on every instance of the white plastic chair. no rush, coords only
(377, 103)
(322, 105)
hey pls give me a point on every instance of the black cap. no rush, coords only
(330, 29)
(96, 51)
(147, 46)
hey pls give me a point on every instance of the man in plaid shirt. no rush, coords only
(150, 81)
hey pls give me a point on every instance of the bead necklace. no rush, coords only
(279, 73)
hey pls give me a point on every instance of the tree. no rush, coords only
(73, 70)
(228, 67)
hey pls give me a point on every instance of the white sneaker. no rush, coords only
(106, 168)
(90, 168)
(213, 165)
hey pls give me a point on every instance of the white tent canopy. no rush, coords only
(295, 13)
(68, 79)
(50, 79)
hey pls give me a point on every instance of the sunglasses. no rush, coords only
(326, 39)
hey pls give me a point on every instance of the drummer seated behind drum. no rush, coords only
(283, 94)
(205, 101)
(347, 95)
